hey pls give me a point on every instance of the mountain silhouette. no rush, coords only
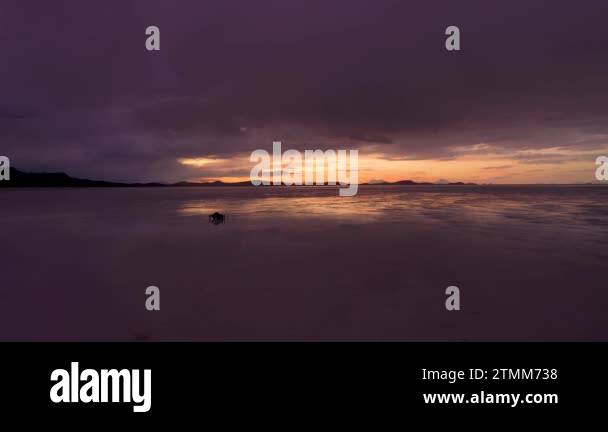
(23, 179)
(59, 179)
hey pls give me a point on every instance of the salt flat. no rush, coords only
(305, 264)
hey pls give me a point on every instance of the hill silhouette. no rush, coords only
(59, 179)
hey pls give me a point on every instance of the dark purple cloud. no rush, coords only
(79, 92)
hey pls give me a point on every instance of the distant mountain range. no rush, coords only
(411, 182)
(23, 179)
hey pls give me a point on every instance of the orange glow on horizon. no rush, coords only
(520, 167)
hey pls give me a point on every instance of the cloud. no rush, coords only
(498, 167)
(81, 93)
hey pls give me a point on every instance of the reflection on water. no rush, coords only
(566, 207)
(305, 264)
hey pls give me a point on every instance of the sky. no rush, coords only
(524, 101)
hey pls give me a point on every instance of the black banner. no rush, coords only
(267, 381)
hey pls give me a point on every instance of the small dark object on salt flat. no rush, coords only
(217, 218)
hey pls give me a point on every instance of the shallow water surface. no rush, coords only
(305, 264)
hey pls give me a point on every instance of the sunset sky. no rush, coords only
(525, 101)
